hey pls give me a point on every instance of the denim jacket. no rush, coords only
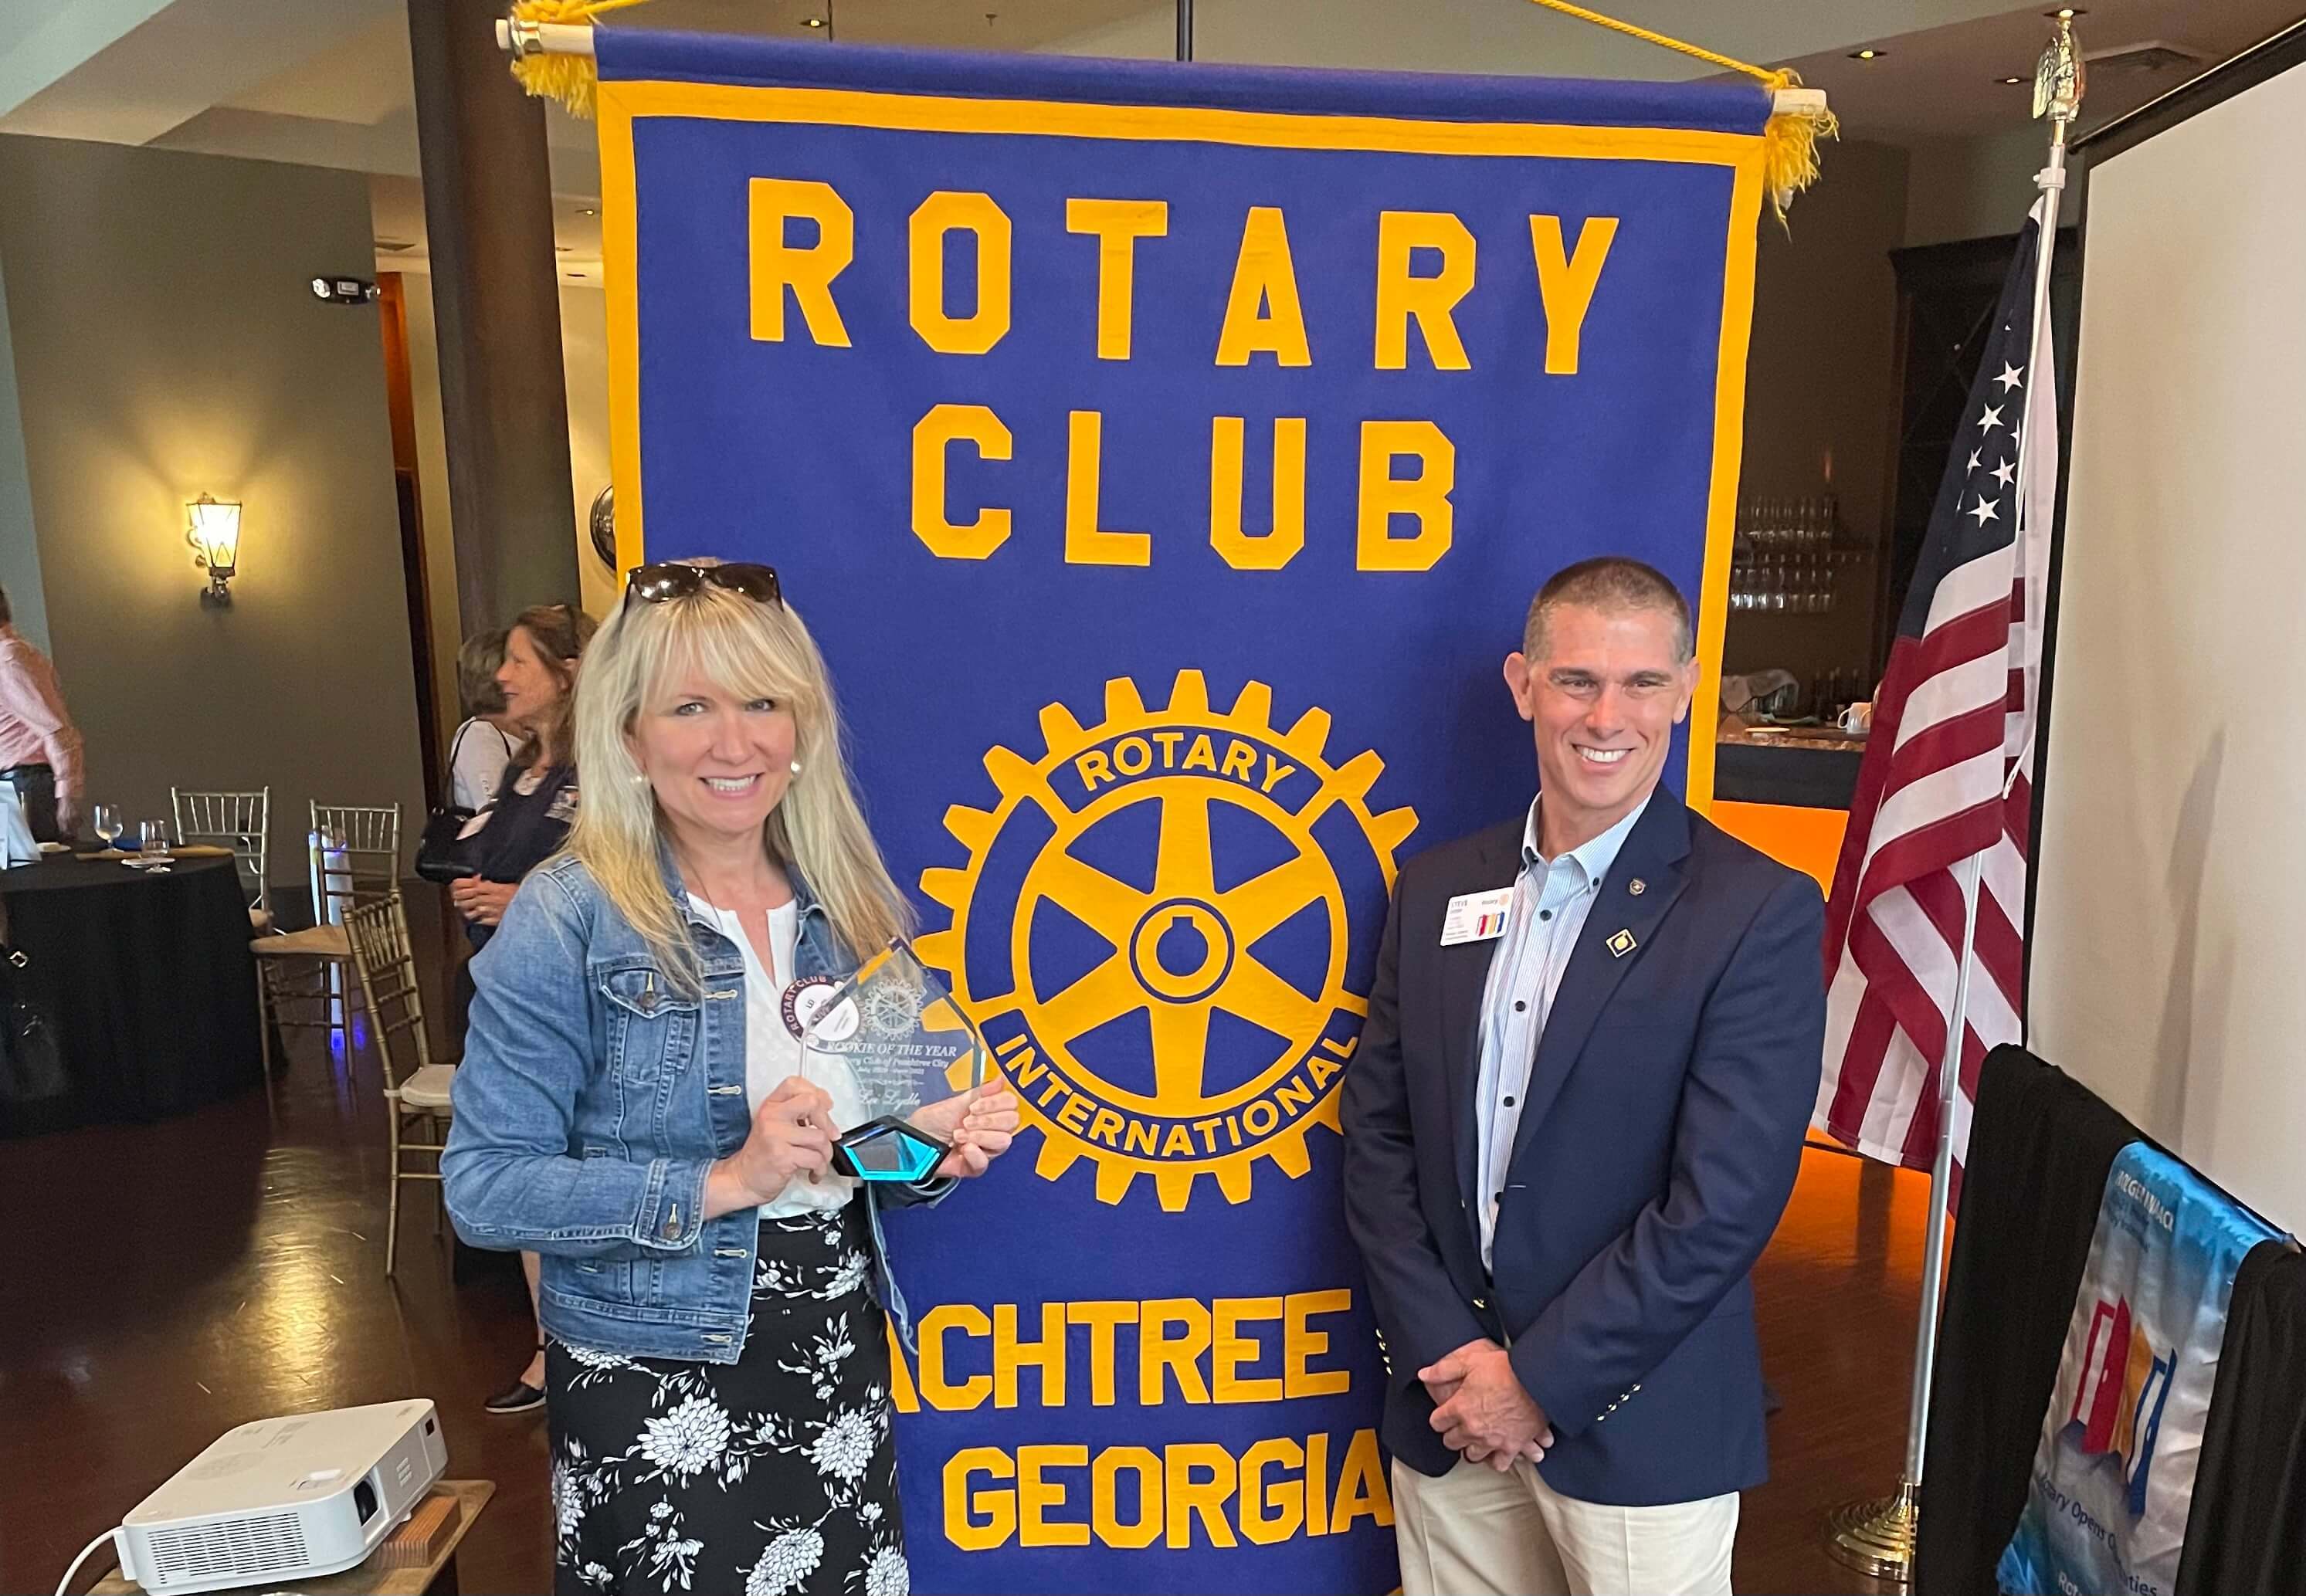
(592, 1100)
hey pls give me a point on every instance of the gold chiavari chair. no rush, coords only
(416, 1090)
(242, 822)
(354, 860)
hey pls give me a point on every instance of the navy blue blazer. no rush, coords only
(1659, 1139)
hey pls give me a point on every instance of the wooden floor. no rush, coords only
(162, 1283)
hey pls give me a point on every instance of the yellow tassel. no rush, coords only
(571, 80)
(1789, 147)
(1788, 141)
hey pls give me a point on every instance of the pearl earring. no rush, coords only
(795, 767)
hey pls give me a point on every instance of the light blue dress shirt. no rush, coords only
(1551, 899)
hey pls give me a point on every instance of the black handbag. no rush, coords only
(443, 853)
(32, 1062)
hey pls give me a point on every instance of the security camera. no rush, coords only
(343, 291)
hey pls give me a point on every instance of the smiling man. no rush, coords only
(1573, 1122)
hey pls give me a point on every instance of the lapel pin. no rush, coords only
(1636, 887)
(1620, 944)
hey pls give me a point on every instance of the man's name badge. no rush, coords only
(805, 999)
(1476, 917)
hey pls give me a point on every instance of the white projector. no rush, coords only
(284, 1498)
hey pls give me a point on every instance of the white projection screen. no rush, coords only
(2169, 969)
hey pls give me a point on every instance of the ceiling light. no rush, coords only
(812, 21)
(2014, 80)
(587, 210)
(1867, 54)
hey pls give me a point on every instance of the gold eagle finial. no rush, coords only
(2058, 75)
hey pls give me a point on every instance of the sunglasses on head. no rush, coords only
(663, 583)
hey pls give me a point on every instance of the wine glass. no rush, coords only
(108, 825)
(153, 839)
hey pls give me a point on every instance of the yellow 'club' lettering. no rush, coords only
(1425, 496)
(943, 425)
(1266, 551)
(1086, 543)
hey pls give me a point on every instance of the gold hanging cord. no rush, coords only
(552, 58)
(1799, 120)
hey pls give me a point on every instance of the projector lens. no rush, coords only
(364, 1500)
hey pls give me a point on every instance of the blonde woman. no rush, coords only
(634, 1105)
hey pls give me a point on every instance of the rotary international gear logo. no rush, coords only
(892, 1007)
(1166, 929)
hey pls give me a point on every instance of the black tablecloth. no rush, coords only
(2040, 1145)
(147, 980)
(2246, 1531)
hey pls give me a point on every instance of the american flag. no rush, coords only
(1953, 725)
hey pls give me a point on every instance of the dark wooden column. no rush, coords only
(488, 217)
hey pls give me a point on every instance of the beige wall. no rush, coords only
(584, 353)
(1980, 188)
(165, 345)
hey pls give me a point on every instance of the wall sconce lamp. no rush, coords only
(214, 534)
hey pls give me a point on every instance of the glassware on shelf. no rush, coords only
(1786, 555)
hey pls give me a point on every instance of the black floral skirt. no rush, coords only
(772, 1475)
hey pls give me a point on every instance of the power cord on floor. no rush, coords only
(64, 1585)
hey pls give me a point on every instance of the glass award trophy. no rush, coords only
(905, 1044)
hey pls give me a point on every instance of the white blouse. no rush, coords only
(772, 1053)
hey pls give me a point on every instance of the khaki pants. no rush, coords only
(1475, 1532)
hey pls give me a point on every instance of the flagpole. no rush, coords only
(1878, 1537)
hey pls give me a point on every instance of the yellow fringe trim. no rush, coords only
(571, 80)
(1788, 141)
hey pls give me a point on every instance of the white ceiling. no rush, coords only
(328, 83)
(1945, 82)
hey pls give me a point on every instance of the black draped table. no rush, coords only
(147, 982)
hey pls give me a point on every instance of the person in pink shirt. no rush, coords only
(39, 747)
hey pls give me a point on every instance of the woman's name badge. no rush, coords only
(805, 999)
(1476, 917)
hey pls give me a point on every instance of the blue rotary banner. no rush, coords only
(1164, 458)
(2114, 1477)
